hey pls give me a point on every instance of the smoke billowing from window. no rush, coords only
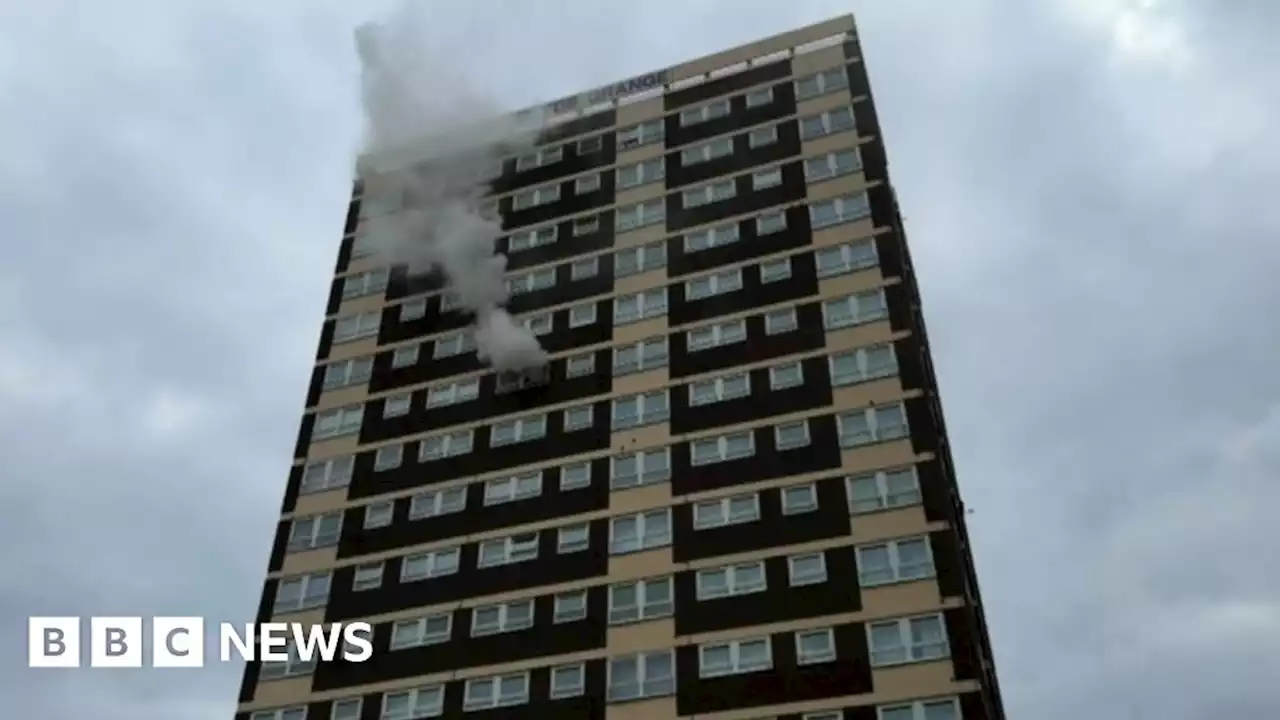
(418, 106)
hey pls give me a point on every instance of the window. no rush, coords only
(645, 355)
(635, 216)
(405, 356)
(642, 600)
(642, 531)
(583, 269)
(355, 327)
(918, 639)
(434, 503)
(815, 646)
(570, 607)
(730, 581)
(453, 393)
(396, 405)
(573, 538)
(532, 238)
(531, 281)
(761, 137)
(791, 435)
(347, 373)
(540, 324)
(709, 285)
(341, 421)
(775, 270)
(807, 569)
(714, 390)
(850, 310)
(640, 468)
(327, 475)
(640, 306)
(362, 245)
(732, 658)
(583, 315)
(724, 448)
(453, 344)
(423, 566)
(586, 225)
(580, 365)
(710, 193)
(873, 425)
(862, 365)
(302, 592)
(787, 375)
(705, 152)
(900, 560)
(641, 173)
(832, 165)
(293, 666)
(510, 489)
(568, 681)
(367, 577)
(642, 134)
(444, 446)
(827, 123)
(763, 96)
(726, 511)
(578, 418)
(780, 321)
(316, 531)
(495, 692)
(882, 490)
(841, 259)
(710, 237)
(765, 179)
(508, 550)
(348, 709)
(839, 210)
(293, 713)
(640, 259)
(643, 675)
(429, 630)
(944, 709)
(821, 83)
(413, 309)
(586, 184)
(502, 617)
(388, 458)
(575, 476)
(710, 111)
(718, 335)
(379, 514)
(770, 223)
(644, 409)
(423, 702)
(799, 499)
(545, 156)
(589, 145)
(518, 430)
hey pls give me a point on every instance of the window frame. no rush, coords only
(642, 521)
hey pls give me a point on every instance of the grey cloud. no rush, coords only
(1093, 229)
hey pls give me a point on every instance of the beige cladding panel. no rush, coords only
(874, 527)
(829, 143)
(649, 563)
(333, 447)
(843, 233)
(639, 499)
(766, 46)
(641, 636)
(639, 111)
(342, 397)
(875, 457)
(364, 303)
(320, 502)
(822, 103)
(908, 682)
(812, 62)
(353, 349)
(636, 331)
(641, 381)
(850, 283)
(642, 193)
(296, 563)
(867, 394)
(640, 438)
(648, 151)
(901, 599)
(281, 693)
(839, 187)
(640, 281)
(663, 708)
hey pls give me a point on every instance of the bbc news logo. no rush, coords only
(180, 642)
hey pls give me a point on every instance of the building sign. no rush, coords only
(609, 93)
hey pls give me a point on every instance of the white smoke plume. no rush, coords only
(430, 139)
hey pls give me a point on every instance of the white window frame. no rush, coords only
(585, 268)
(779, 381)
(437, 503)
(394, 406)
(883, 481)
(406, 356)
(297, 712)
(721, 283)
(647, 257)
(511, 550)
(590, 144)
(782, 320)
(507, 618)
(357, 326)
(346, 709)
(650, 304)
(580, 365)
(844, 209)
(640, 134)
(721, 334)
(575, 476)
(367, 576)
(771, 222)
(808, 499)
(879, 427)
(420, 702)
(759, 96)
(824, 81)
(910, 650)
(725, 512)
(579, 417)
(531, 281)
(312, 532)
(829, 122)
(918, 709)
(712, 192)
(735, 583)
(766, 178)
(827, 655)
(776, 270)
(856, 309)
(541, 157)
(660, 606)
(512, 488)
(575, 687)
(852, 257)
(894, 571)
(589, 183)
(576, 602)
(713, 110)
(654, 673)
(416, 632)
(641, 214)
(337, 422)
(379, 514)
(437, 564)
(573, 538)
(723, 448)
(645, 172)
(762, 136)
(312, 592)
(453, 393)
(523, 429)
(711, 237)
(650, 532)
(500, 696)
(803, 440)
(863, 364)
(453, 344)
(583, 314)
(650, 354)
(529, 239)
(411, 310)
(832, 165)
(719, 389)
(643, 475)
(794, 577)
(388, 457)
(585, 225)
(453, 444)
(347, 373)
(328, 474)
(291, 667)
(651, 408)
(734, 650)
(706, 152)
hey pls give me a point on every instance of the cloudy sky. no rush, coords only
(1086, 186)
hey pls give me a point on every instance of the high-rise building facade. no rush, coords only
(734, 498)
